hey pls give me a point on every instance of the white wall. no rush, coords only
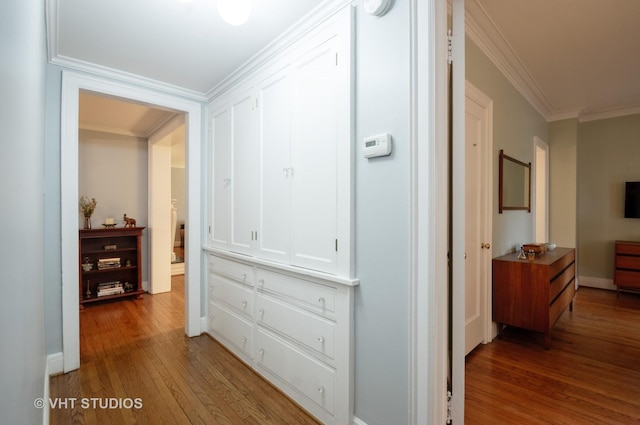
(22, 80)
(382, 219)
(113, 169)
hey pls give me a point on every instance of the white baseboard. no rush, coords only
(145, 286)
(203, 324)
(358, 421)
(597, 282)
(177, 268)
(55, 364)
(45, 393)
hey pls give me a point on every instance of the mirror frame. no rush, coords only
(502, 207)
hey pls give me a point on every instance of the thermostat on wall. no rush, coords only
(376, 146)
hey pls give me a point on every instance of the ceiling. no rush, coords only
(569, 58)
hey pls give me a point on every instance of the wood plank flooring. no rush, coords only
(138, 367)
(591, 374)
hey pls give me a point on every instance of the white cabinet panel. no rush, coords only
(236, 331)
(239, 271)
(312, 331)
(235, 295)
(314, 139)
(221, 175)
(302, 372)
(275, 171)
(244, 162)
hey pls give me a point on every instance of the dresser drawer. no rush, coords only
(238, 271)
(231, 328)
(234, 294)
(312, 331)
(558, 266)
(313, 296)
(561, 281)
(627, 262)
(627, 248)
(626, 278)
(302, 372)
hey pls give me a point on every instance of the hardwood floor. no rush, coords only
(137, 366)
(591, 374)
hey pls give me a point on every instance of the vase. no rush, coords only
(87, 222)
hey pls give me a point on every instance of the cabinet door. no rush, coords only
(313, 148)
(244, 154)
(221, 175)
(275, 171)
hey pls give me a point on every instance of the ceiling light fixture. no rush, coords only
(234, 12)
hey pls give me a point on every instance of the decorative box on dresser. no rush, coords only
(532, 294)
(294, 327)
(627, 266)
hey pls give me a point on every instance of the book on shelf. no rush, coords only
(110, 291)
(108, 263)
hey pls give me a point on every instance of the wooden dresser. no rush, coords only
(627, 266)
(532, 294)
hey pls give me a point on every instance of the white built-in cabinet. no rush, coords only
(279, 245)
(281, 156)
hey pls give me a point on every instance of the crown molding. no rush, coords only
(321, 13)
(483, 31)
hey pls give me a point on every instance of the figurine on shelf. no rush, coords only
(129, 222)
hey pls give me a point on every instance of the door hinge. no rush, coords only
(449, 47)
(449, 395)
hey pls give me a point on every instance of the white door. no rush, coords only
(244, 166)
(274, 108)
(478, 214)
(313, 171)
(221, 178)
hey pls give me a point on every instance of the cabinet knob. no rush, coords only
(321, 300)
(243, 339)
(321, 339)
(261, 312)
(261, 351)
(244, 304)
(261, 282)
(320, 389)
(243, 276)
(226, 181)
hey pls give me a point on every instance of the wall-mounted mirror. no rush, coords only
(514, 184)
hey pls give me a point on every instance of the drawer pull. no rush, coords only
(321, 300)
(244, 305)
(320, 389)
(261, 282)
(243, 276)
(243, 339)
(261, 312)
(261, 351)
(321, 339)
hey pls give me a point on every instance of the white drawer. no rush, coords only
(231, 328)
(302, 372)
(234, 294)
(315, 332)
(314, 296)
(238, 271)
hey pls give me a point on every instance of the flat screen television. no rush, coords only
(632, 200)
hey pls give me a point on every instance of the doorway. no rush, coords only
(72, 84)
(540, 190)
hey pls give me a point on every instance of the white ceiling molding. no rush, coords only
(311, 20)
(481, 29)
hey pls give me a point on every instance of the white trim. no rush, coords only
(46, 394)
(72, 84)
(55, 363)
(597, 282)
(541, 144)
(428, 314)
(311, 20)
(358, 421)
(482, 30)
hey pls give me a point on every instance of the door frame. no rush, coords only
(429, 170)
(72, 84)
(540, 145)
